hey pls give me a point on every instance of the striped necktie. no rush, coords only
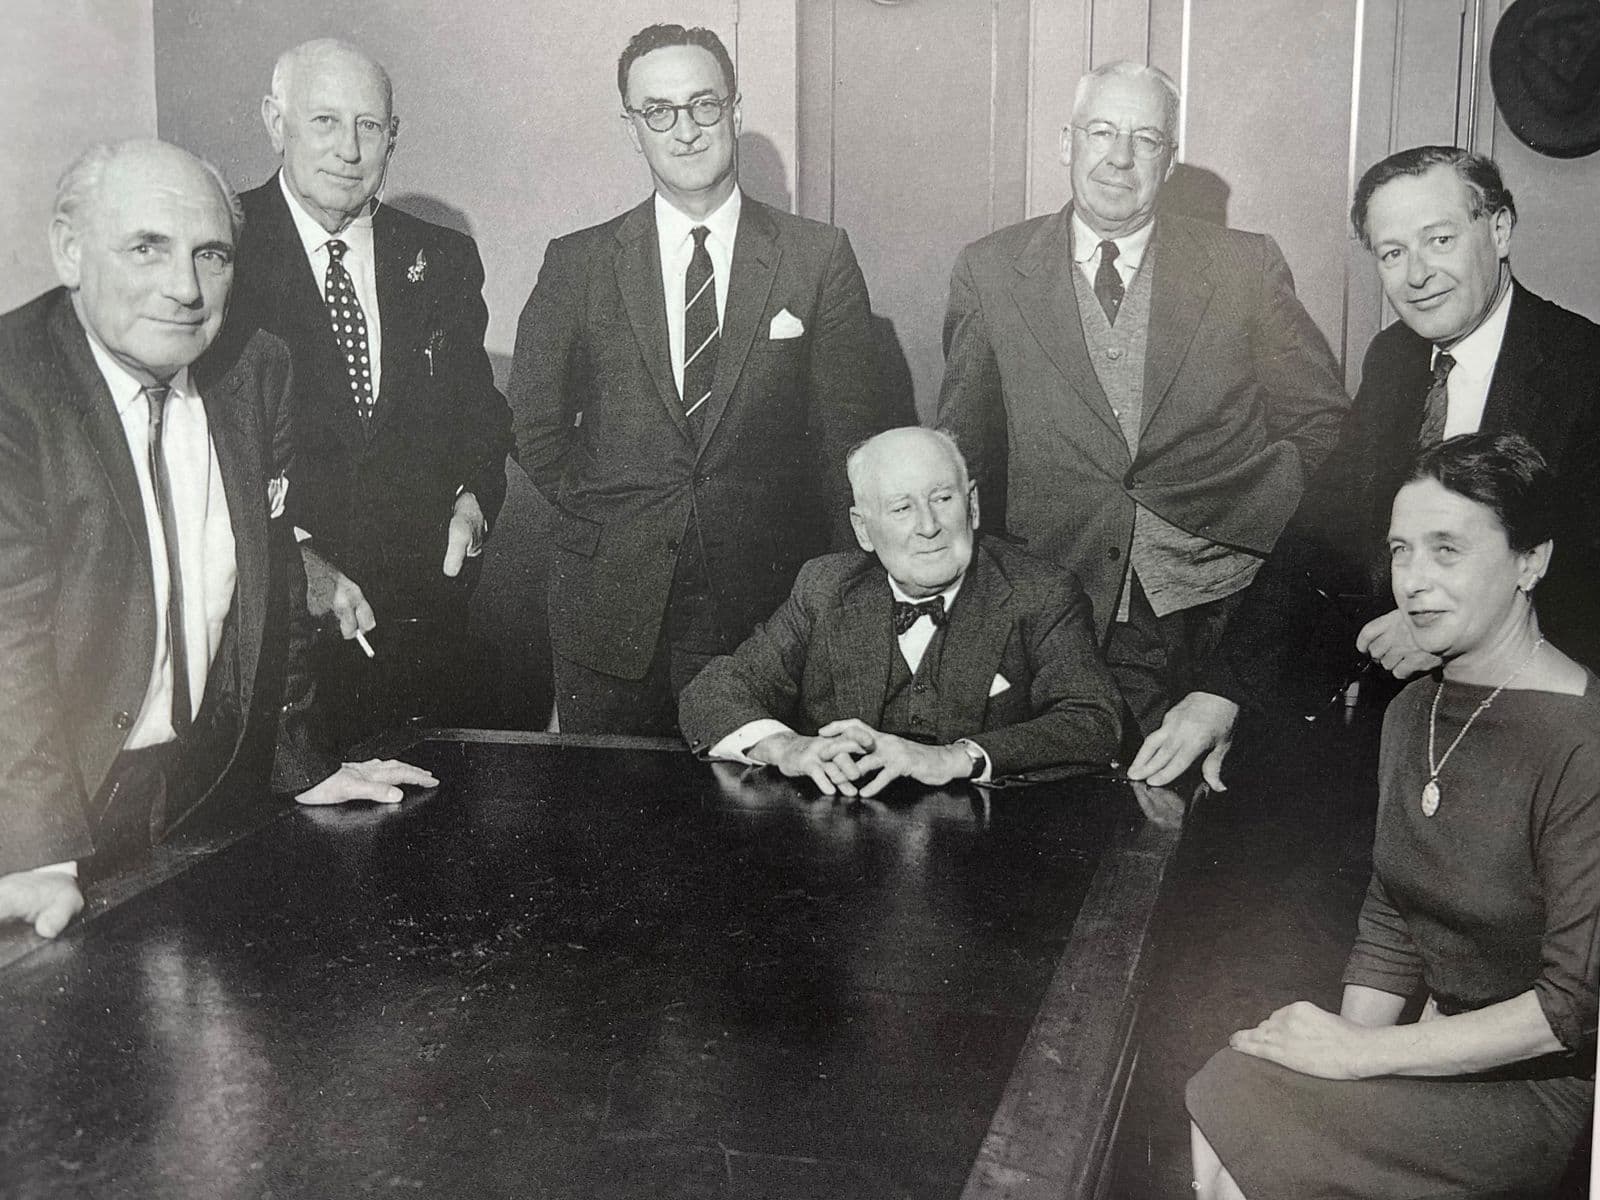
(701, 331)
(1436, 405)
(161, 484)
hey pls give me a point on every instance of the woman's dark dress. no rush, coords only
(1498, 892)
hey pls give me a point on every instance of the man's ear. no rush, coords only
(972, 504)
(632, 127)
(272, 118)
(859, 524)
(394, 136)
(66, 248)
(738, 116)
(1066, 145)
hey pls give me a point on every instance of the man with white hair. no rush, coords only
(1143, 398)
(152, 625)
(402, 436)
(926, 654)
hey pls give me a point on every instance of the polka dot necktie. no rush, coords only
(349, 327)
(700, 331)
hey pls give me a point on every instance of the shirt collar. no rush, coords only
(949, 593)
(673, 226)
(124, 388)
(1478, 351)
(1130, 247)
(313, 236)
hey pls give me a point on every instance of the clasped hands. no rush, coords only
(844, 753)
(330, 590)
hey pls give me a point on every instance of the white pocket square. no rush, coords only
(1000, 684)
(785, 325)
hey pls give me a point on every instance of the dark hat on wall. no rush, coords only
(1545, 68)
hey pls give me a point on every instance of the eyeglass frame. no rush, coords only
(723, 103)
(1088, 131)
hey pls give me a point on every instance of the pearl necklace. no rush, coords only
(1430, 790)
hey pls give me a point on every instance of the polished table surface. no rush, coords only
(596, 970)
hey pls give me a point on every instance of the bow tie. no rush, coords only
(906, 614)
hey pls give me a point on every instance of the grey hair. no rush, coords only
(855, 461)
(81, 181)
(292, 59)
(1124, 68)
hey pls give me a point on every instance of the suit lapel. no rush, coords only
(980, 625)
(860, 643)
(638, 271)
(231, 423)
(402, 312)
(1515, 396)
(86, 390)
(756, 254)
(1044, 296)
(1180, 291)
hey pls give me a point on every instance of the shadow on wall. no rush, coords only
(1195, 192)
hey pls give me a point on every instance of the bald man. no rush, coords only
(402, 435)
(151, 615)
(927, 653)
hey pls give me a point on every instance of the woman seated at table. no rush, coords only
(1485, 889)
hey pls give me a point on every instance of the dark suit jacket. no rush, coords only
(825, 655)
(378, 501)
(1545, 386)
(77, 606)
(600, 427)
(1242, 398)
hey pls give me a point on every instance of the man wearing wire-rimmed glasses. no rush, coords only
(1142, 398)
(688, 379)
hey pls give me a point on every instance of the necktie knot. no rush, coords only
(336, 249)
(157, 396)
(699, 233)
(1443, 364)
(1108, 251)
(907, 614)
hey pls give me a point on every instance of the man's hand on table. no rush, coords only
(894, 757)
(1200, 723)
(1388, 641)
(45, 899)
(828, 760)
(376, 779)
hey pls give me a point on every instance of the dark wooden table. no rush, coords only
(597, 970)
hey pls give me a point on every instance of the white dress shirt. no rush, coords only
(1467, 385)
(1130, 249)
(358, 261)
(206, 561)
(735, 747)
(674, 232)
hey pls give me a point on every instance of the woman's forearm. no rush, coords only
(1508, 1032)
(1369, 1006)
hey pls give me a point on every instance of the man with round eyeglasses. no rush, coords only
(687, 381)
(1142, 397)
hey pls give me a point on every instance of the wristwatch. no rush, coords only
(980, 760)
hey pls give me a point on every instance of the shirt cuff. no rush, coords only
(61, 868)
(736, 746)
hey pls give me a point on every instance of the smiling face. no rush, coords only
(1114, 190)
(692, 166)
(915, 509)
(149, 260)
(334, 128)
(1440, 266)
(1454, 573)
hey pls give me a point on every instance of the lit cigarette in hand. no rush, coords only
(366, 646)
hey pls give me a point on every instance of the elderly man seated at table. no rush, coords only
(928, 654)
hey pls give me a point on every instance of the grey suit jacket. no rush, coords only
(600, 427)
(1242, 398)
(77, 606)
(825, 655)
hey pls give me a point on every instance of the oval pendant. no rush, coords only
(1430, 798)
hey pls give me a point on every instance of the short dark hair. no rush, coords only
(1502, 471)
(1477, 171)
(659, 37)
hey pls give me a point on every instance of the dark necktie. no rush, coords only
(1437, 403)
(161, 483)
(701, 331)
(349, 327)
(906, 614)
(1108, 287)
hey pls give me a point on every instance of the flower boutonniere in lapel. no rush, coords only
(434, 344)
(417, 270)
(277, 495)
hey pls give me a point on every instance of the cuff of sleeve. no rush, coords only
(736, 746)
(61, 868)
(987, 772)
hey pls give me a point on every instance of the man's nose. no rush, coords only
(927, 525)
(182, 282)
(1121, 152)
(685, 130)
(1418, 270)
(349, 145)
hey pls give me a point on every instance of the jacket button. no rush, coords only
(123, 720)
(704, 477)
(1113, 553)
(919, 687)
(1130, 480)
(1114, 353)
(672, 546)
